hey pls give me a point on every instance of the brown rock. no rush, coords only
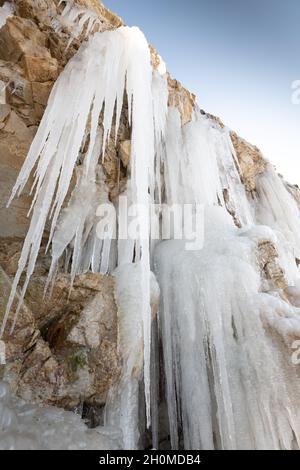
(104, 13)
(40, 69)
(182, 99)
(251, 161)
(41, 92)
(15, 139)
(124, 152)
(63, 352)
(39, 10)
(269, 265)
(21, 36)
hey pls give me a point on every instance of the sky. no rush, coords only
(240, 57)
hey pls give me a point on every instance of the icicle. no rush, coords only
(76, 19)
(78, 221)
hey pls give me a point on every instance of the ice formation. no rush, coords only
(31, 427)
(103, 64)
(125, 396)
(77, 20)
(110, 63)
(226, 331)
(229, 383)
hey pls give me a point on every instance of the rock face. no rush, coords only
(182, 99)
(64, 349)
(251, 161)
(15, 139)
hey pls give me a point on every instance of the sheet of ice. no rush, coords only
(221, 333)
(31, 427)
(191, 171)
(125, 396)
(229, 175)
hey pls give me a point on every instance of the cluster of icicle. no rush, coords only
(92, 83)
(30, 427)
(226, 333)
(77, 20)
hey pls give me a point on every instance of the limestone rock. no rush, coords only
(251, 161)
(15, 139)
(40, 69)
(182, 99)
(104, 13)
(38, 10)
(20, 37)
(269, 265)
(124, 152)
(63, 352)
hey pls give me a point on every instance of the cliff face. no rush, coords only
(64, 350)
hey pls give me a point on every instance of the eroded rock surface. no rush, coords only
(63, 350)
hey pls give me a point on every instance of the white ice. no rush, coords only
(226, 367)
(31, 427)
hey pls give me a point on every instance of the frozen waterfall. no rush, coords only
(226, 330)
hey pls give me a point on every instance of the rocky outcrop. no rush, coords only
(251, 161)
(15, 139)
(269, 264)
(182, 99)
(64, 348)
